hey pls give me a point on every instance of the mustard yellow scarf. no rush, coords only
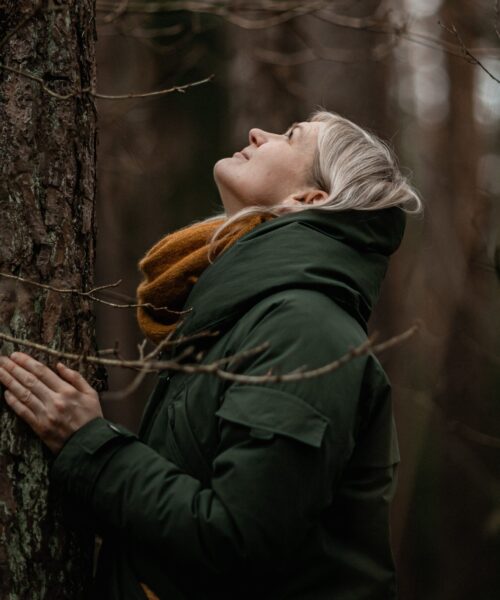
(172, 267)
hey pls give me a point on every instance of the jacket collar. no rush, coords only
(343, 255)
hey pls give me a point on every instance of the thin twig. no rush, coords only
(149, 365)
(91, 92)
(214, 368)
(314, 51)
(147, 32)
(130, 389)
(286, 11)
(117, 12)
(376, 25)
(466, 53)
(91, 294)
(473, 435)
(220, 8)
(177, 88)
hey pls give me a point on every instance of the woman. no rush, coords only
(243, 490)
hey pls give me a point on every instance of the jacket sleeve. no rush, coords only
(272, 476)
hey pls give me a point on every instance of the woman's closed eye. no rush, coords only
(289, 133)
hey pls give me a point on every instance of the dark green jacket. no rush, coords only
(269, 491)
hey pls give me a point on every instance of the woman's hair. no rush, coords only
(356, 168)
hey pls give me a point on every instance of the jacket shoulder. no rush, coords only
(302, 329)
(304, 314)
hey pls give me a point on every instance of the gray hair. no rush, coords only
(356, 168)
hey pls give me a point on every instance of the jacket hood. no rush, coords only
(343, 255)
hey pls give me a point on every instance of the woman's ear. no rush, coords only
(307, 197)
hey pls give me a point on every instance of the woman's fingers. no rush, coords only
(21, 409)
(40, 425)
(46, 375)
(75, 379)
(24, 386)
(55, 406)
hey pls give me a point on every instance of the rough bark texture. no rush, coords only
(47, 234)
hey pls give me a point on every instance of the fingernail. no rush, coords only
(14, 355)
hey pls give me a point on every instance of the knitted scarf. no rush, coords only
(172, 267)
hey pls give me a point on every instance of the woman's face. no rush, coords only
(272, 169)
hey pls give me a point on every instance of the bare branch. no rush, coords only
(90, 294)
(365, 23)
(118, 11)
(284, 11)
(372, 25)
(473, 435)
(91, 92)
(141, 347)
(127, 391)
(177, 88)
(136, 32)
(223, 8)
(152, 365)
(148, 364)
(288, 10)
(315, 51)
(466, 53)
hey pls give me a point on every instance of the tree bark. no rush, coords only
(47, 234)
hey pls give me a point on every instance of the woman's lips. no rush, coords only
(240, 155)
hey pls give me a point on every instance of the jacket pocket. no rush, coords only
(268, 412)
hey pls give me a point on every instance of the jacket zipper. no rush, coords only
(173, 448)
(151, 410)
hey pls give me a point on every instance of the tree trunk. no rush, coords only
(47, 234)
(448, 514)
(468, 388)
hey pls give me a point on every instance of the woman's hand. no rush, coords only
(53, 405)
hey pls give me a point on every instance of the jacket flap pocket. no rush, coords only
(268, 411)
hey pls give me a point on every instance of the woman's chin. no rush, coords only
(223, 168)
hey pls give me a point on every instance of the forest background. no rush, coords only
(423, 74)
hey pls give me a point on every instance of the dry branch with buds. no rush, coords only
(90, 91)
(466, 53)
(91, 294)
(149, 363)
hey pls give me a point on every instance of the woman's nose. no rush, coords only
(257, 136)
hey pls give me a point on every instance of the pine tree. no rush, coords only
(48, 235)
